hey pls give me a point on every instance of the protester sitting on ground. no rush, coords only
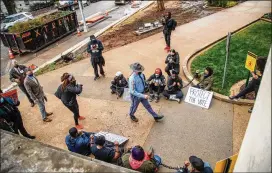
(118, 84)
(101, 152)
(156, 84)
(205, 79)
(139, 160)
(10, 116)
(174, 86)
(68, 92)
(78, 141)
(172, 61)
(197, 165)
(254, 84)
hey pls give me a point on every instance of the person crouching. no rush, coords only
(118, 84)
(156, 83)
(174, 86)
(205, 79)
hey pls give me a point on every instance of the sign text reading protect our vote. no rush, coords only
(199, 97)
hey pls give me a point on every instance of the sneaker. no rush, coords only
(47, 120)
(250, 110)
(133, 118)
(166, 47)
(32, 104)
(231, 97)
(157, 99)
(30, 137)
(81, 118)
(48, 114)
(79, 126)
(159, 117)
(150, 98)
(179, 101)
(97, 77)
(112, 92)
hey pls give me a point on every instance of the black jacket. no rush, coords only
(95, 53)
(119, 82)
(168, 25)
(14, 74)
(176, 87)
(68, 96)
(154, 79)
(9, 110)
(175, 59)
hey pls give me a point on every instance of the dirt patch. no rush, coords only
(124, 33)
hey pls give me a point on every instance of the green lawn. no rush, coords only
(256, 38)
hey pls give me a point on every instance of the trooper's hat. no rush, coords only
(137, 67)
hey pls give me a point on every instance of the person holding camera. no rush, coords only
(118, 84)
(197, 165)
(169, 25)
(174, 86)
(156, 83)
(172, 61)
(68, 92)
(95, 48)
(205, 79)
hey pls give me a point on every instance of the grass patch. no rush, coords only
(256, 38)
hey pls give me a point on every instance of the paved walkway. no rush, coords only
(186, 129)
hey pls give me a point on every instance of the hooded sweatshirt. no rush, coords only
(80, 144)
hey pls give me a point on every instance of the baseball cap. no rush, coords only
(197, 163)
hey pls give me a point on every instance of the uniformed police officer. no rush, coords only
(136, 89)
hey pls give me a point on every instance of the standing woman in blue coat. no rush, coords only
(68, 92)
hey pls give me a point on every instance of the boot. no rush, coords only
(157, 98)
(151, 98)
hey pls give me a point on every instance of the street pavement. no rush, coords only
(70, 40)
(186, 129)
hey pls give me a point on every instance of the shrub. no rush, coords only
(222, 3)
(38, 6)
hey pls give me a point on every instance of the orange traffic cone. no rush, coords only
(78, 32)
(11, 56)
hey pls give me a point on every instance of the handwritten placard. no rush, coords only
(113, 137)
(199, 97)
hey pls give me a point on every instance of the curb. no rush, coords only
(216, 95)
(84, 42)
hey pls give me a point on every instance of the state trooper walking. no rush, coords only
(136, 89)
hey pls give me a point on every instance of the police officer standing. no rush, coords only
(136, 89)
(95, 48)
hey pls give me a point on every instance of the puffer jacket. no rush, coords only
(80, 144)
(68, 96)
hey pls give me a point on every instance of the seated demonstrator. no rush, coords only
(78, 142)
(172, 62)
(139, 160)
(205, 80)
(118, 84)
(101, 152)
(174, 85)
(156, 83)
(95, 48)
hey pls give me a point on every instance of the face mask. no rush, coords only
(2, 100)
(157, 75)
(16, 66)
(30, 75)
(139, 73)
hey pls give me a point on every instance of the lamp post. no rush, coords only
(83, 17)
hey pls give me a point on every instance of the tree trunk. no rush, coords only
(10, 6)
(160, 5)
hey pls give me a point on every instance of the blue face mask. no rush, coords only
(2, 100)
(30, 75)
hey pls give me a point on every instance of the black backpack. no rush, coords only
(174, 24)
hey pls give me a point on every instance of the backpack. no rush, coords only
(174, 24)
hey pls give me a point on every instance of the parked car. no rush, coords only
(9, 21)
(121, 2)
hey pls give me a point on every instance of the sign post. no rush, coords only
(83, 17)
(250, 64)
(227, 56)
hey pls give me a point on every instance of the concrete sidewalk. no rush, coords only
(187, 129)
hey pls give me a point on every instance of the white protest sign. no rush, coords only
(199, 97)
(113, 137)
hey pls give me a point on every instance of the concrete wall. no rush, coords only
(19, 154)
(255, 152)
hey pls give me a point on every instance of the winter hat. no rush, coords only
(138, 153)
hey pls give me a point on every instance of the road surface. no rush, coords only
(93, 8)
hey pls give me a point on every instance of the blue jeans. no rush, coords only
(135, 101)
(41, 105)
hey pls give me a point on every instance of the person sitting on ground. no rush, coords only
(172, 61)
(197, 165)
(11, 119)
(156, 84)
(101, 152)
(78, 142)
(174, 86)
(118, 84)
(205, 79)
(254, 84)
(139, 160)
